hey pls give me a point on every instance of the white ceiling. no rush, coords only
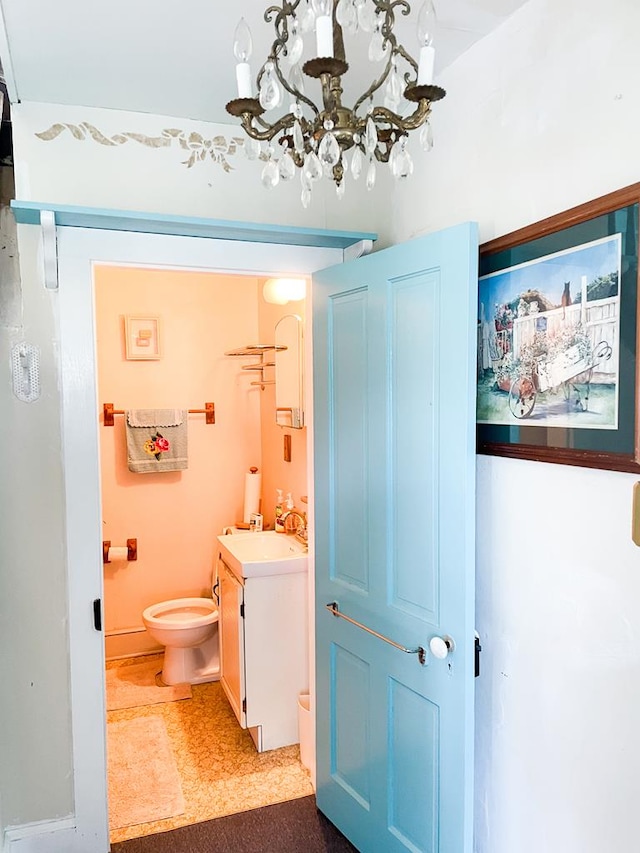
(174, 57)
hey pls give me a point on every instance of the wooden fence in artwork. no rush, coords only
(598, 318)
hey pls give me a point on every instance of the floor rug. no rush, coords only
(220, 770)
(144, 783)
(135, 685)
(289, 827)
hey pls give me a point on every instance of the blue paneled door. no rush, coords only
(394, 423)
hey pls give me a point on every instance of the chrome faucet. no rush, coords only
(299, 529)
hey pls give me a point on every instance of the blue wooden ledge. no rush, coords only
(28, 213)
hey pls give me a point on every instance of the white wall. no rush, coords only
(35, 767)
(540, 116)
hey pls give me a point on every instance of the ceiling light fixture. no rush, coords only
(279, 291)
(315, 138)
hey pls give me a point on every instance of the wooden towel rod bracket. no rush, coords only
(209, 410)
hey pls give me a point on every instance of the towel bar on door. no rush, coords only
(333, 608)
(209, 410)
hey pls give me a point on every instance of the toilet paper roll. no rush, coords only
(252, 487)
(114, 554)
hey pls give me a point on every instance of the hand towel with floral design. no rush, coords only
(156, 440)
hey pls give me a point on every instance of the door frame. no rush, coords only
(79, 249)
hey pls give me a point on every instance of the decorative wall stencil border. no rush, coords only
(218, 148)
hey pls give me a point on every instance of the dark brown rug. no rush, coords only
(292, 827)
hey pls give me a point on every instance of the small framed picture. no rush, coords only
(142, 338)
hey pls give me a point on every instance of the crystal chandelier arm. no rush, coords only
(404, 123)
(398, 50)
(282, 13)
(410, 61)
(387, 29)
(386, 8)
(281, 26)
(287, 86)
(270, 131)
(286, 10)
(373, 88)
(262, 122)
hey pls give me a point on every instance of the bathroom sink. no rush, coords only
(251, 555)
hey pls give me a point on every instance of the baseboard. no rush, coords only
(55, 836)
(47, 836)
(130, 644)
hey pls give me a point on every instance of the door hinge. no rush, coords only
(97, 614)
(478, 648)
(242, 610)
(244, 706)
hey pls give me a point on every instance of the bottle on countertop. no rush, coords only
(279, 524)
(289, 501)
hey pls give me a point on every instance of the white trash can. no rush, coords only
(305, 730)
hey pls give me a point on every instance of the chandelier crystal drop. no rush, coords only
(316, 132)
(287, 167)
(357, 162)
(270, 174)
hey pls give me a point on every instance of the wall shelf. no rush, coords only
(262, 350)
(28, 213)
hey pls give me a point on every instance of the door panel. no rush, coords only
(348, 334)
(413, 811)
(394, 410)
(351, 689)
(413, 312)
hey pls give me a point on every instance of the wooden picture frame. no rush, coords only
(558, 336)
(142, 338)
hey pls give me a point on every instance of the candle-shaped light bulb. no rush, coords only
(323, 10)
(426, 23)
(242, 46)
(426, 27)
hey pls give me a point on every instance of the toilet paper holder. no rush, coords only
(132, 550)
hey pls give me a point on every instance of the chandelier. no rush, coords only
(330, 139)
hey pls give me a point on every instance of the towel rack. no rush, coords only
(209, 410)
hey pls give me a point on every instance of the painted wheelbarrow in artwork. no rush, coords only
(568, 371)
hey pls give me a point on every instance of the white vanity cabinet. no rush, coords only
(263, 630)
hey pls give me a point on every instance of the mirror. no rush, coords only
(289, 368)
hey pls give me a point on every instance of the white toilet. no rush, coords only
(188, 628)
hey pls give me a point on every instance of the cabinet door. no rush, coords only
(232, 641)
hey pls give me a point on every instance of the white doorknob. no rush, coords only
(440, 647)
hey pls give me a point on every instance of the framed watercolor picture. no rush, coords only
(557, 338)
(142, 338)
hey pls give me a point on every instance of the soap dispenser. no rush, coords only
(279, 524)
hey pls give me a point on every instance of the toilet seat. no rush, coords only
(182, 612)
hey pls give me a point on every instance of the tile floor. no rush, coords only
(220, 770)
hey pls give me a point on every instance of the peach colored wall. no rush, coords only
(276, 473)
(175, 516)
